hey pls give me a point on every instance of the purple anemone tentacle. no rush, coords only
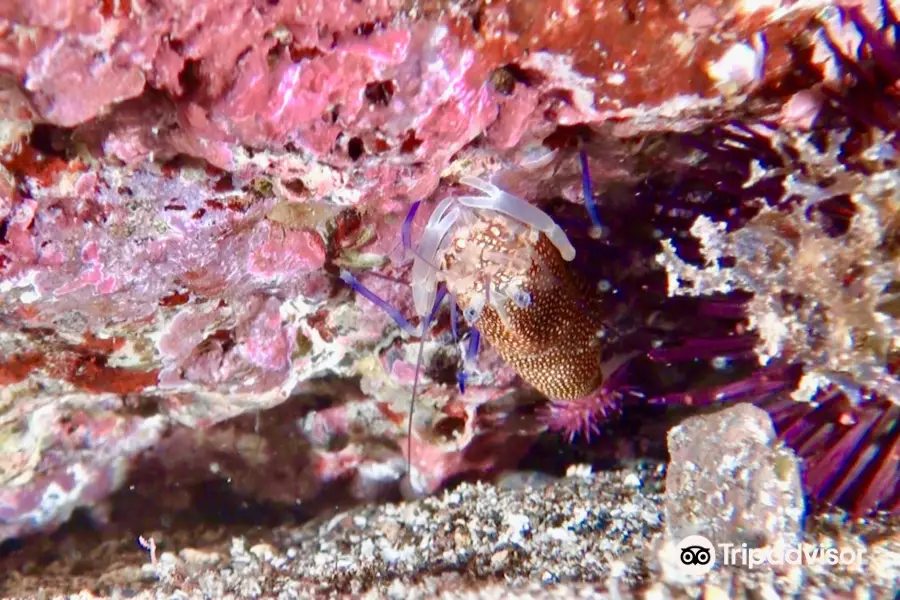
(582, 417)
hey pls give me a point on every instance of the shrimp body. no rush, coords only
(505, 263)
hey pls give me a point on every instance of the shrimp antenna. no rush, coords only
(587, 187)
(400, 320)
(412, 407)
(426, 325)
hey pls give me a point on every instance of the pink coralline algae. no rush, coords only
(183, 184)
(281, 252)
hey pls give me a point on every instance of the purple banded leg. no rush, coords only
(378, 301)
(426, 325)
(401, 321)
(392, 312)
(468, 359)
(474, 343)
(406, 230)
(472, 349)
(454, 318)
(588, 188)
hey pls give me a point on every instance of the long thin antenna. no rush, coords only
(426, 326)
(412, 407)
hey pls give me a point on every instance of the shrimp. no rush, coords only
(504, 263)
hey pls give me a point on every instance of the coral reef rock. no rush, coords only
(182, 185)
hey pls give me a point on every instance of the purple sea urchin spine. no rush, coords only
(851, 453)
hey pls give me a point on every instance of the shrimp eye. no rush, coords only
(522, 299)
(471, 314)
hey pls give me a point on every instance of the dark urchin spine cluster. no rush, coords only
(807, 224)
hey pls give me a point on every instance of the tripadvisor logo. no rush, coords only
(696, 555)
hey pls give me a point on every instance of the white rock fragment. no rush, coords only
(739, 68)
(633, 480)
(517, 526)
(581, 471)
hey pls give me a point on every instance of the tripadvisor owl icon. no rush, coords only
(697, 555)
